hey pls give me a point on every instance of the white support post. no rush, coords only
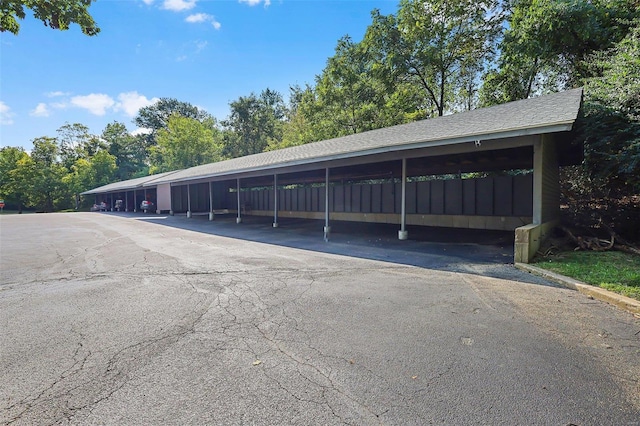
(275, 201)
(327, 228)
(126, 201)
(211, 215)
(171, 213)
(111, 202)
(239, 218)
(403, 234)
(135, 201)
(188, 201)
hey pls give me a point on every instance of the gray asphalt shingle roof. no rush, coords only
(544, 114)
(128, 184)
(536, 115)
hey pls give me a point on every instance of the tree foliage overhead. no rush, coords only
(254, 121)
(440, 46)
(547, 44)
(186, 142)
(129, 151)
(611, 124)
(56, 14)
(156, 116)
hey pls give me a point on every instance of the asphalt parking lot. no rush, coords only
(110, 318)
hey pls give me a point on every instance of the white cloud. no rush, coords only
(141, 131)
(147, 2)
(179, 5)
(6, 116)
(201, 45)
(131, 102)
(181, 58)
(41, 110)
(256, 2)
(56, 94)
(197, 18)
(96, 103)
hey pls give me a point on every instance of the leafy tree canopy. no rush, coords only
(186, 142)
(254, 120)
(56, 14)
(611, 124)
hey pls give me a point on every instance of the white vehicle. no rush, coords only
(146, 205)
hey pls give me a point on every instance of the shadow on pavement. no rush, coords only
(472, 251)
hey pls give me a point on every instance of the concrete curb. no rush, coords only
(622, 302)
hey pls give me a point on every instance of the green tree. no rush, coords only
(76, 142)
(349, 97)
(14, 182)
(56, 14)
(129, 151)
(440, 46)
(611, 125)
(253, 122)
(547, 43)
(49, 191)
(156, 117)
(186, 142)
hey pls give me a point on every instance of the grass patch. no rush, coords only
(612, 270)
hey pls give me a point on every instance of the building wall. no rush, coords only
(164, 197)
(546, 181)
(502, 196)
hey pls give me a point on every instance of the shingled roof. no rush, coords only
(545, 114)
(128, 184)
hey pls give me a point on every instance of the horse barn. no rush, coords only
(447, 172)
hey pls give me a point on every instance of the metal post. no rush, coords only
(126, 201)
(135, 201)
(239, 218)
(188, 201)
(275, 201)
(403, 234)
(211, 215)
(327, 228)
(111, 201)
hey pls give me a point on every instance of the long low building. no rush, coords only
(489, 168)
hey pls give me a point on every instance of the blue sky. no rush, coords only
(205, 52)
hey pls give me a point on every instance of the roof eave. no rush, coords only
(524, 131)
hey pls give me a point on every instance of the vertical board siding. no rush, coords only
(366, 198)
(484, 197)
(338, 198)
(437, 197)
(453, 196)
(469, 197)
(424, 197)
(411, 198)
(503, 195)
(550, 183)
(376, 198)
(397, 207)
(492, 196)
(387, 204)
(356, 198)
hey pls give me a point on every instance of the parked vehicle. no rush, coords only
(146, 205)
(102, 207)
